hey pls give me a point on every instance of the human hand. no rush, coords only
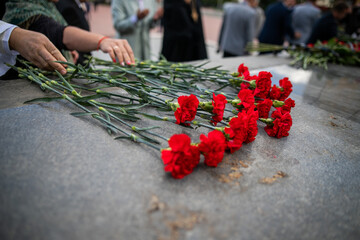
(159, 13)
(37, 48)
(118, 48)
(75, 55)
(142, 13)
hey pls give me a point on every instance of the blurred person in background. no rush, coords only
(327, 26)
(238, 27)
(278, 23)
(259, 21)
(183, 38)
(132, 20)
(352, 20)
(74, 14)
(304, 17)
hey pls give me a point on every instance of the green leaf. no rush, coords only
(46, 99)
(225, 85)
(67, 63)
(122, 137)
(145, 129)
(124, 116)
(152, 117)
(80, 114)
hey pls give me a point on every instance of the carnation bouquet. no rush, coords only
(345, 52)
(232, 109)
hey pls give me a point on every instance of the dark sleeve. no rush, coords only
(73, 14)
(222, 30)
(288, 24)
(51, 29)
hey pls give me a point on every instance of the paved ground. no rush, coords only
(101, 22)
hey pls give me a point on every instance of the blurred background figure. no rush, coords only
(132, 20)
(75, 15)
(304, 17)
(183, 38)
(327, 26)
(352, 20)
(238, 27)
(278, 23)
(259, 21)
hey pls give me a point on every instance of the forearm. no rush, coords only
(77, 39)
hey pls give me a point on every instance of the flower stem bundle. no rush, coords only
(119, 97)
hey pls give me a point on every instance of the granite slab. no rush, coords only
(63, 177)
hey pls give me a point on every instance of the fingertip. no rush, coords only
(114, 60)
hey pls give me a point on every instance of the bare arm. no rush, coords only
(77, 39)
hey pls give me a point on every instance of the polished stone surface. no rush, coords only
(63, 177)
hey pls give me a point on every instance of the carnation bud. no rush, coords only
(253, 84)
(277, 103)
(73, 92)
(206, 106)
(236, 82)
(102, 109)
(235, 102)
(268, 121)
(234, 74)
(221, 129)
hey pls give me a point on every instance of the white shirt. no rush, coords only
(6, 55)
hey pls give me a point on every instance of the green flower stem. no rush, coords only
(117, 83)
(204, 125)
(96, 116)
(133, 128)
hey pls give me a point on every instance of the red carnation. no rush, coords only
(236, 133)
(310, 45)
(244, 85)
(243, 71)
(264, 108)
(263, 84)
(182, 157)
(219, 103)
(289, 103)
(286, 86)
(187, 109)
(275, 93)
(247, 98)
(281, 124)
(213, 147)
(249, 118)
(233, 144)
